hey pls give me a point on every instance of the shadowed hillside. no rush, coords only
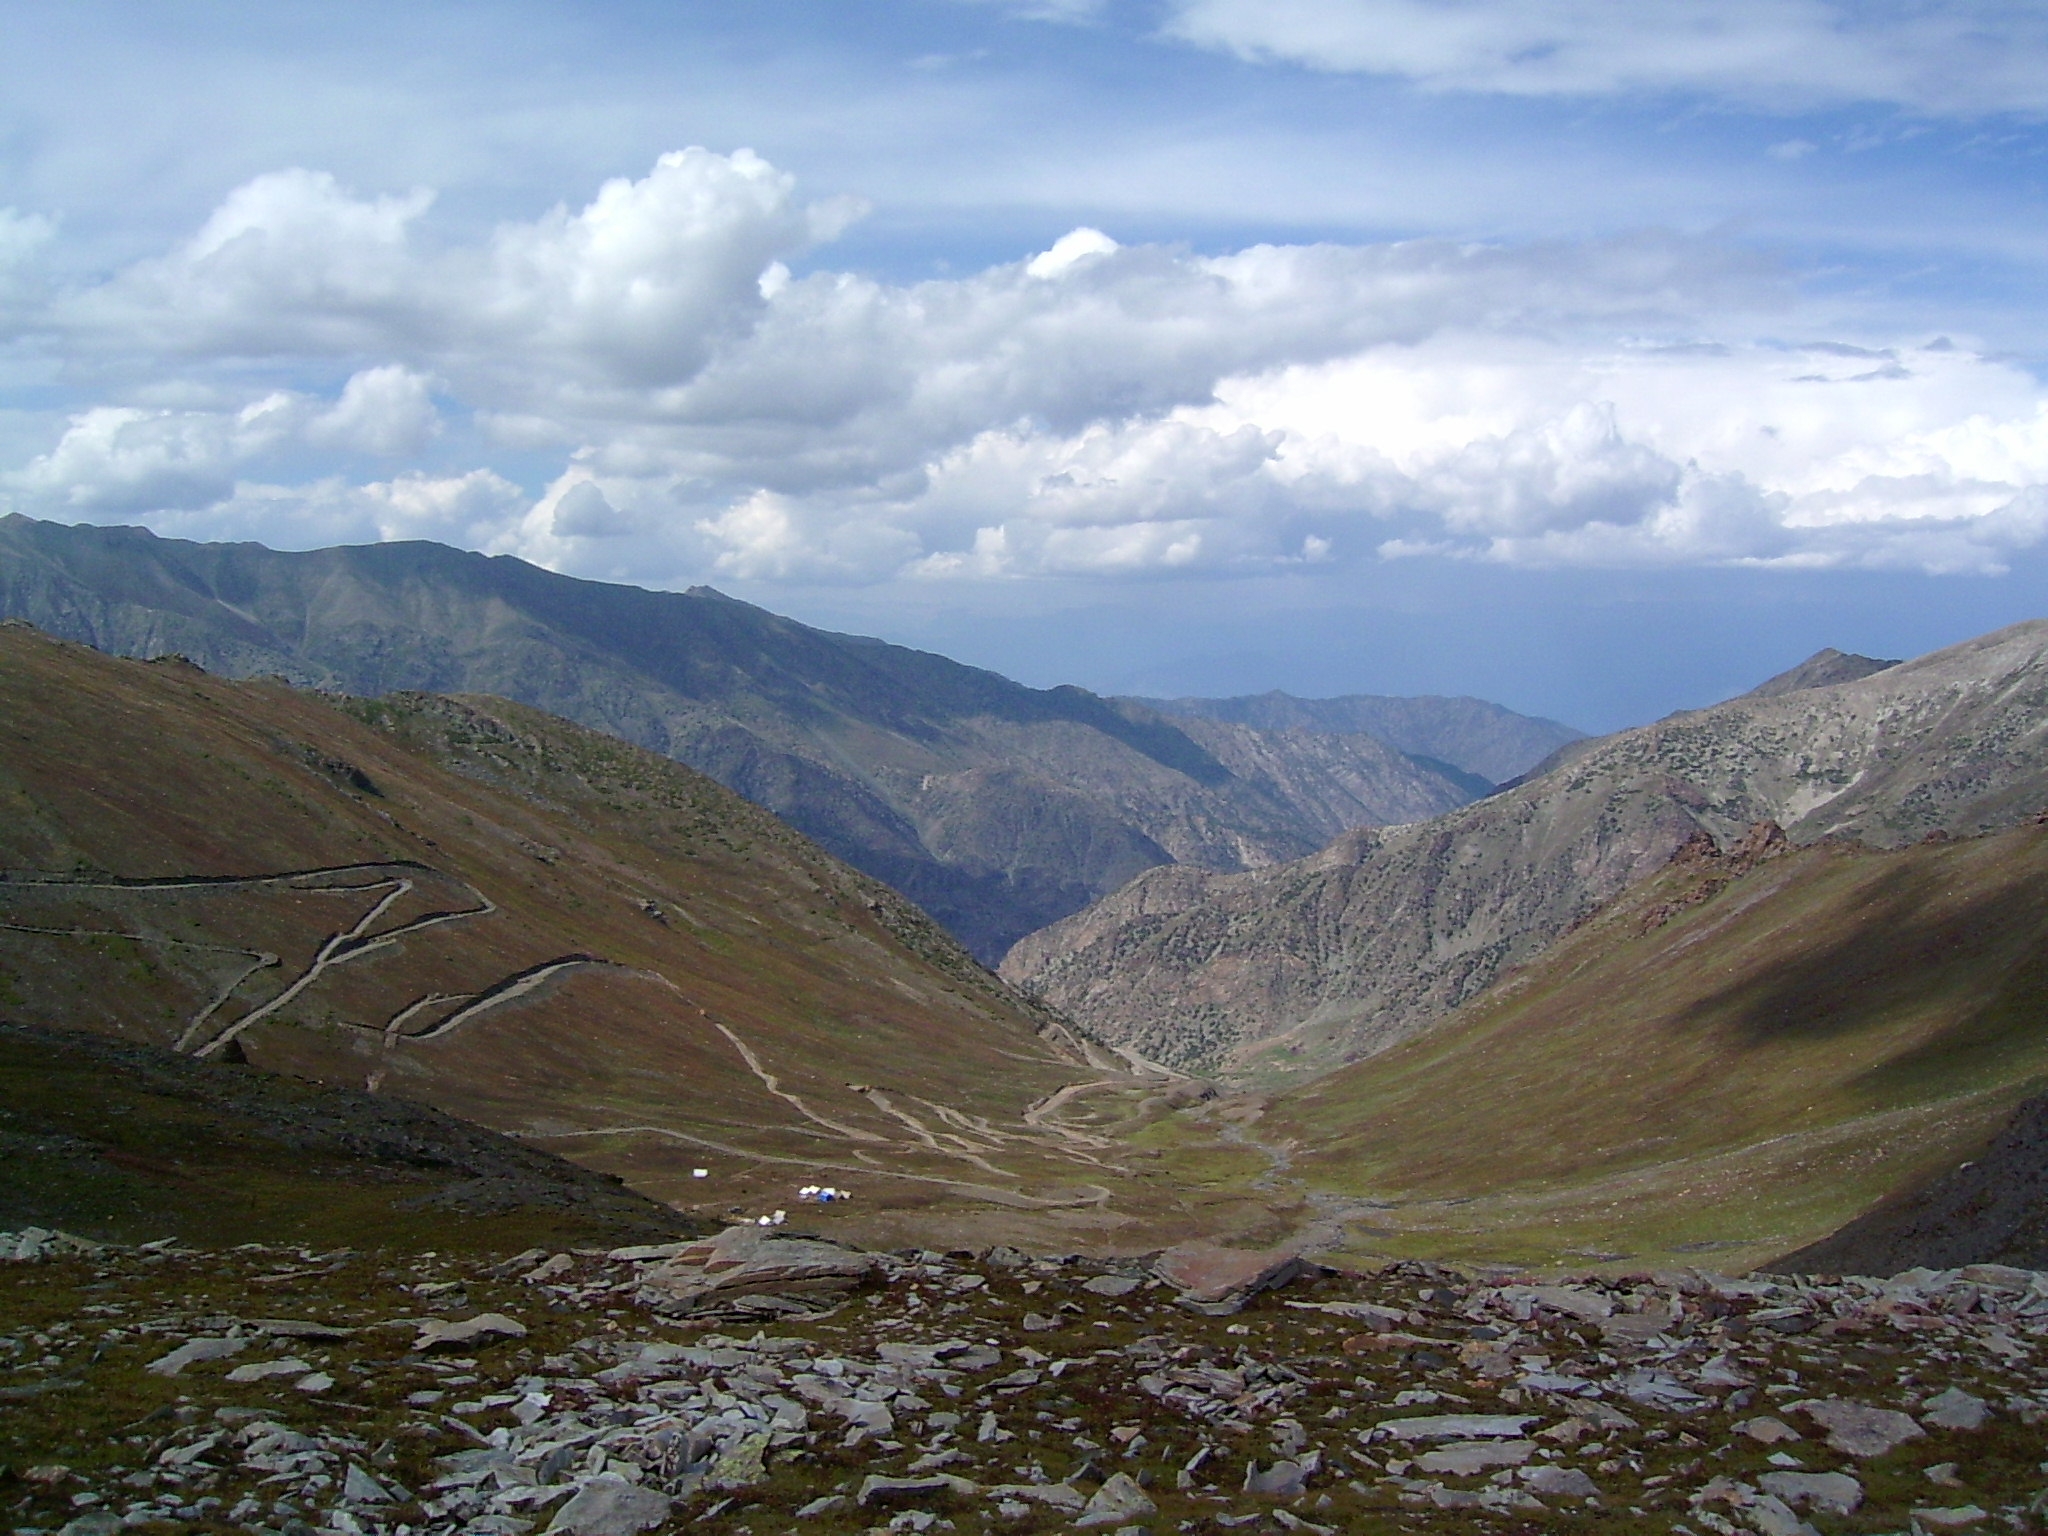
(116, 1140)
(1471, 735)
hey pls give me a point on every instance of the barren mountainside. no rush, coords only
(1472, 735)
(996, 807)
(1333, 957)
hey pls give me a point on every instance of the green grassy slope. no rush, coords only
(1721, 1062)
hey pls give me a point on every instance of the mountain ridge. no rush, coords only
(1474, 736)
(997, 807)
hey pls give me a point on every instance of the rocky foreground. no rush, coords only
(760, 1381)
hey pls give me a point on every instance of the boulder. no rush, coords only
(359, 1487)
(1213, 1278)
(1835, 1493)
(752, 1261)
(742, 1464)
(1117, 1502)
(1559, 1482)
(1857, 1429)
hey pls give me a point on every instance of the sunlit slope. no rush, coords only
(480, 907)
(1714, 1065)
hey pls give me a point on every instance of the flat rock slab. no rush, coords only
(1765, 1430)
(1061, 1496)
(1857, 1429)
(1458, 1426)
(440, 1333)
(263, 1369)
(299, 1328)
(1111, 1285)
(193, 1351)
(1472, 1457)
(902, 1490)
(1954, 1409)
(610, 1506)
(1835, 1492)
(1589, 1306)
(1207, 1274)
(1953, 1518)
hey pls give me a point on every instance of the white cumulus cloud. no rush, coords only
(643, 387)
(386, 411)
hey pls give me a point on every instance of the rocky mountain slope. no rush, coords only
(469, 904)
(996, 807)
(252, 1389)
(1471, 735)
(1300, 966)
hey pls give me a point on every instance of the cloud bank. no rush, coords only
(1952, 57)
(670, 383)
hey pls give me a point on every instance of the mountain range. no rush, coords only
(1298, 967)
(466, 905)
(998, 808)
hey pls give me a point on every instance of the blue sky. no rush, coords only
(1596, 357)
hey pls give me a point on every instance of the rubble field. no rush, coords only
(763, 1381)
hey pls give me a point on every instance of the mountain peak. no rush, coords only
(1822, 669)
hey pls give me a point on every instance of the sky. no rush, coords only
(1601, 357)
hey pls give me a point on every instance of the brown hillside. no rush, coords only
(473, 905)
